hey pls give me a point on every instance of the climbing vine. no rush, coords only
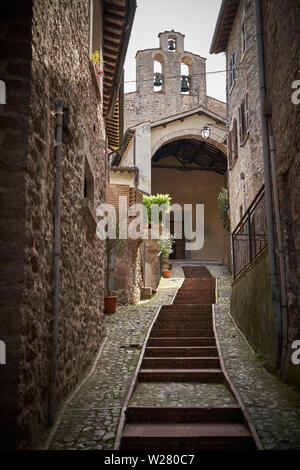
(223, 206)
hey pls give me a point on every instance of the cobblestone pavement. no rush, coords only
(90, 417)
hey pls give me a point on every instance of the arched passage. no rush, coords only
(192, 171)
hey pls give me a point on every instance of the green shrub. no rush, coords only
(158, 199)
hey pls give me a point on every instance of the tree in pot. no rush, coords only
(166, 247)
(114, 246)
(157, 201)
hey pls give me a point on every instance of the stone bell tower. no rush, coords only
(169, 79)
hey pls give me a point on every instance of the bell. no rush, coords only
(157, 79)
(184, 84)
(171, 45)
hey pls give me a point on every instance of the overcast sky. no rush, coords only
(195, 19)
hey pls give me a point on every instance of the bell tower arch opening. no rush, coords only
(159, 72)
(186, 71)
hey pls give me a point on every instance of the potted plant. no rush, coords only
(166, 247)
(114, 246)
(156, 200)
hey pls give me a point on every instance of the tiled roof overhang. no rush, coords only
(118, 16)
(224, 25)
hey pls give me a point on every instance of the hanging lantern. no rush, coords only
(184, 84)
(205, 132)
(157, 79)
(171, 45)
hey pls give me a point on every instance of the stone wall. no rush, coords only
(249, 160)
(59, 69)
(281, 26)
(128, 280)
(15, 36)
(251, 307)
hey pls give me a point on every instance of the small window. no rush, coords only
(241, 212)
(232, 145)
(232, 70)
(244, 36)
(88, 185)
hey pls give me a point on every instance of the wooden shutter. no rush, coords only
(229, 149)
(240, 125)
(234, 140)
(246, 112)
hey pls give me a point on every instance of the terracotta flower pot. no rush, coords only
(167, 273)
(110, 304)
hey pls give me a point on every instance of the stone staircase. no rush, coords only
(182, 348)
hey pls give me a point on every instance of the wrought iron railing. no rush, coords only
(250, 236)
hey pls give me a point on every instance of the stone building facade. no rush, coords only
(148, 104)
(281, 30)
(45, 57)
(164, 119)
(252, 296)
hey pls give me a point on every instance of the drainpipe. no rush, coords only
(268, 185)
(57, 250)
(280, 252)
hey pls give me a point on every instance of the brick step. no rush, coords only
(194, 296)
(184, 314)
(186, 436)
(198, 283)
(183, 323)
(193, 289)
(181, 341)
(178, 332)
(178, 301)
(178, 320)
(183, 414)
(181, 363)
(181, 375)
(187, 308)
(181, 351)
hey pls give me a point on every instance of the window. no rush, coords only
(232, 70)
(244, 119)
(244, 36)
(88, 186)
(232, 145)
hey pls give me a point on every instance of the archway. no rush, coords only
(193, 171)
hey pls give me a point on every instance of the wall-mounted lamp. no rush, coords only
(205, 132)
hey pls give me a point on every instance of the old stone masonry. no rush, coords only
(89, 418)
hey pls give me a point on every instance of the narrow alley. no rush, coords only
(150, 226)
(90, 417)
